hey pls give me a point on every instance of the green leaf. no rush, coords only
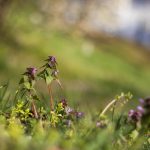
(21, 81)
(35, 97)
(27, 85)
(41, 75)
(48, 79)
(134, 134)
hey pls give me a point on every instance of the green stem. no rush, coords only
(34, 110)
(107, 107)
(33, 107)
(51, 97)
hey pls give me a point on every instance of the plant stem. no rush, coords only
(107, 107)
(33, 107)
(59, 83)
(51, 97)
(34, 110)
(113, 111)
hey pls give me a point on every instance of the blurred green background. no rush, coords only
(93, 66)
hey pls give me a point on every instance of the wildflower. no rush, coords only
(79, 114)
(31, 71)
(69, 110)
(64, 103)
(134, 116)
(51, 62)
(141, 101)
(146, 103)
(140, 109)
(52, 59)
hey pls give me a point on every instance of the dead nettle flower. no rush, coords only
(146, 103)
(64, 103)
(134, 115)
(69, 111)
(140, 109)
(79, 115)
(143, 109)
(51, 62)
(31, 72)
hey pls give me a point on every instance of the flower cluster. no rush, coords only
(146, 104)
(52, 64)
(69, 111)
(141, 110)
(64, 103)
(134, 115)
(31, 72)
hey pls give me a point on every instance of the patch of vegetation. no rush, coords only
(27, 122)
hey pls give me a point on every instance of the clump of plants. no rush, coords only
(26, 123)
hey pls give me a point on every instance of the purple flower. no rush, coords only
(141, 101)
(64, 103)
(79, 114)
(31, 71)
(140, 109)
(51, 61)
(134, 116)
(146, 103)
(69, 110)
